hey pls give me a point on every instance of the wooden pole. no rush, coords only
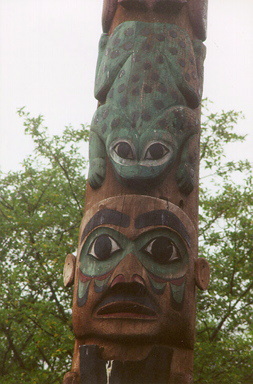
(137, 265)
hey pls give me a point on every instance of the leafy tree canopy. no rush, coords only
(224, 352)
(41, 208)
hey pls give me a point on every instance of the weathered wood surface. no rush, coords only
(137, 267)
(147, 90)
(140, 252)
(159, 10)
(92, 367)
(147, 79)
(154, 369)
(135, 280)
(69, 270)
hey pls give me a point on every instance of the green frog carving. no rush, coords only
(148, 84)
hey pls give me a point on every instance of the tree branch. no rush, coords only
(222, 321)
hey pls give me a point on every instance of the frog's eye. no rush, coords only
(124, 150)
(162, 250)
(156, 151)
(103, 247)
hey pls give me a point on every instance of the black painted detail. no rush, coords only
(106, 216)
(162, 250)
(124, 150)
(164, 218)
(103, 247)
(134, 296)
(156, 151)
(155, 369)
(92, 367)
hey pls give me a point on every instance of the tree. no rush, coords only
(41, 208)
(224, 351)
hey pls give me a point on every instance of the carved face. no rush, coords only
(144, 153)
(135, 275)
(138, 156)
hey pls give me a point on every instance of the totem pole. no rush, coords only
(137, 266)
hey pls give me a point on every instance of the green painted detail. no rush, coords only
(147, 79)
(82, 288)
(140, 54)
(157, 287)
(161, 252)
(143, 156)
(100, 285)
(178, 292)
(98, 259)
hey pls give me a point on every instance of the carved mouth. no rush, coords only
(126, 309)
(127, 303)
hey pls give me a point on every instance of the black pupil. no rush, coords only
(103, 247)
(124, 150)
(162, 250)
(156, 151)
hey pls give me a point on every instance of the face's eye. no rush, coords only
(156, 151)
(124, 150)
(162, 250)
(103, 247)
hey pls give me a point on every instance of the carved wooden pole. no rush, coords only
(137, 265)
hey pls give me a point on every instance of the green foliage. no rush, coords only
(224, 351)
(40, 214)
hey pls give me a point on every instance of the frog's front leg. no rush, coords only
(97, 157)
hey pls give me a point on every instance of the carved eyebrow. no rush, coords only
(165, 218)
(106, 216)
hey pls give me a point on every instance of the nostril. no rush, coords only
(138, 279)
(118, 279)
(134, 279)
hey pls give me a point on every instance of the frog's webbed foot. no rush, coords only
(185, 178)
(97, 172)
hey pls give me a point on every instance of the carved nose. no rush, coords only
(129, 270)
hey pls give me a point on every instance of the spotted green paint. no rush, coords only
(148, 83)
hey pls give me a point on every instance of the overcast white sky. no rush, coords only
(48, 52)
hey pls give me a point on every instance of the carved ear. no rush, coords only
(202, 273)
(69, 270)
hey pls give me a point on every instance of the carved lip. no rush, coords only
(127, 304)
(126, 309)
